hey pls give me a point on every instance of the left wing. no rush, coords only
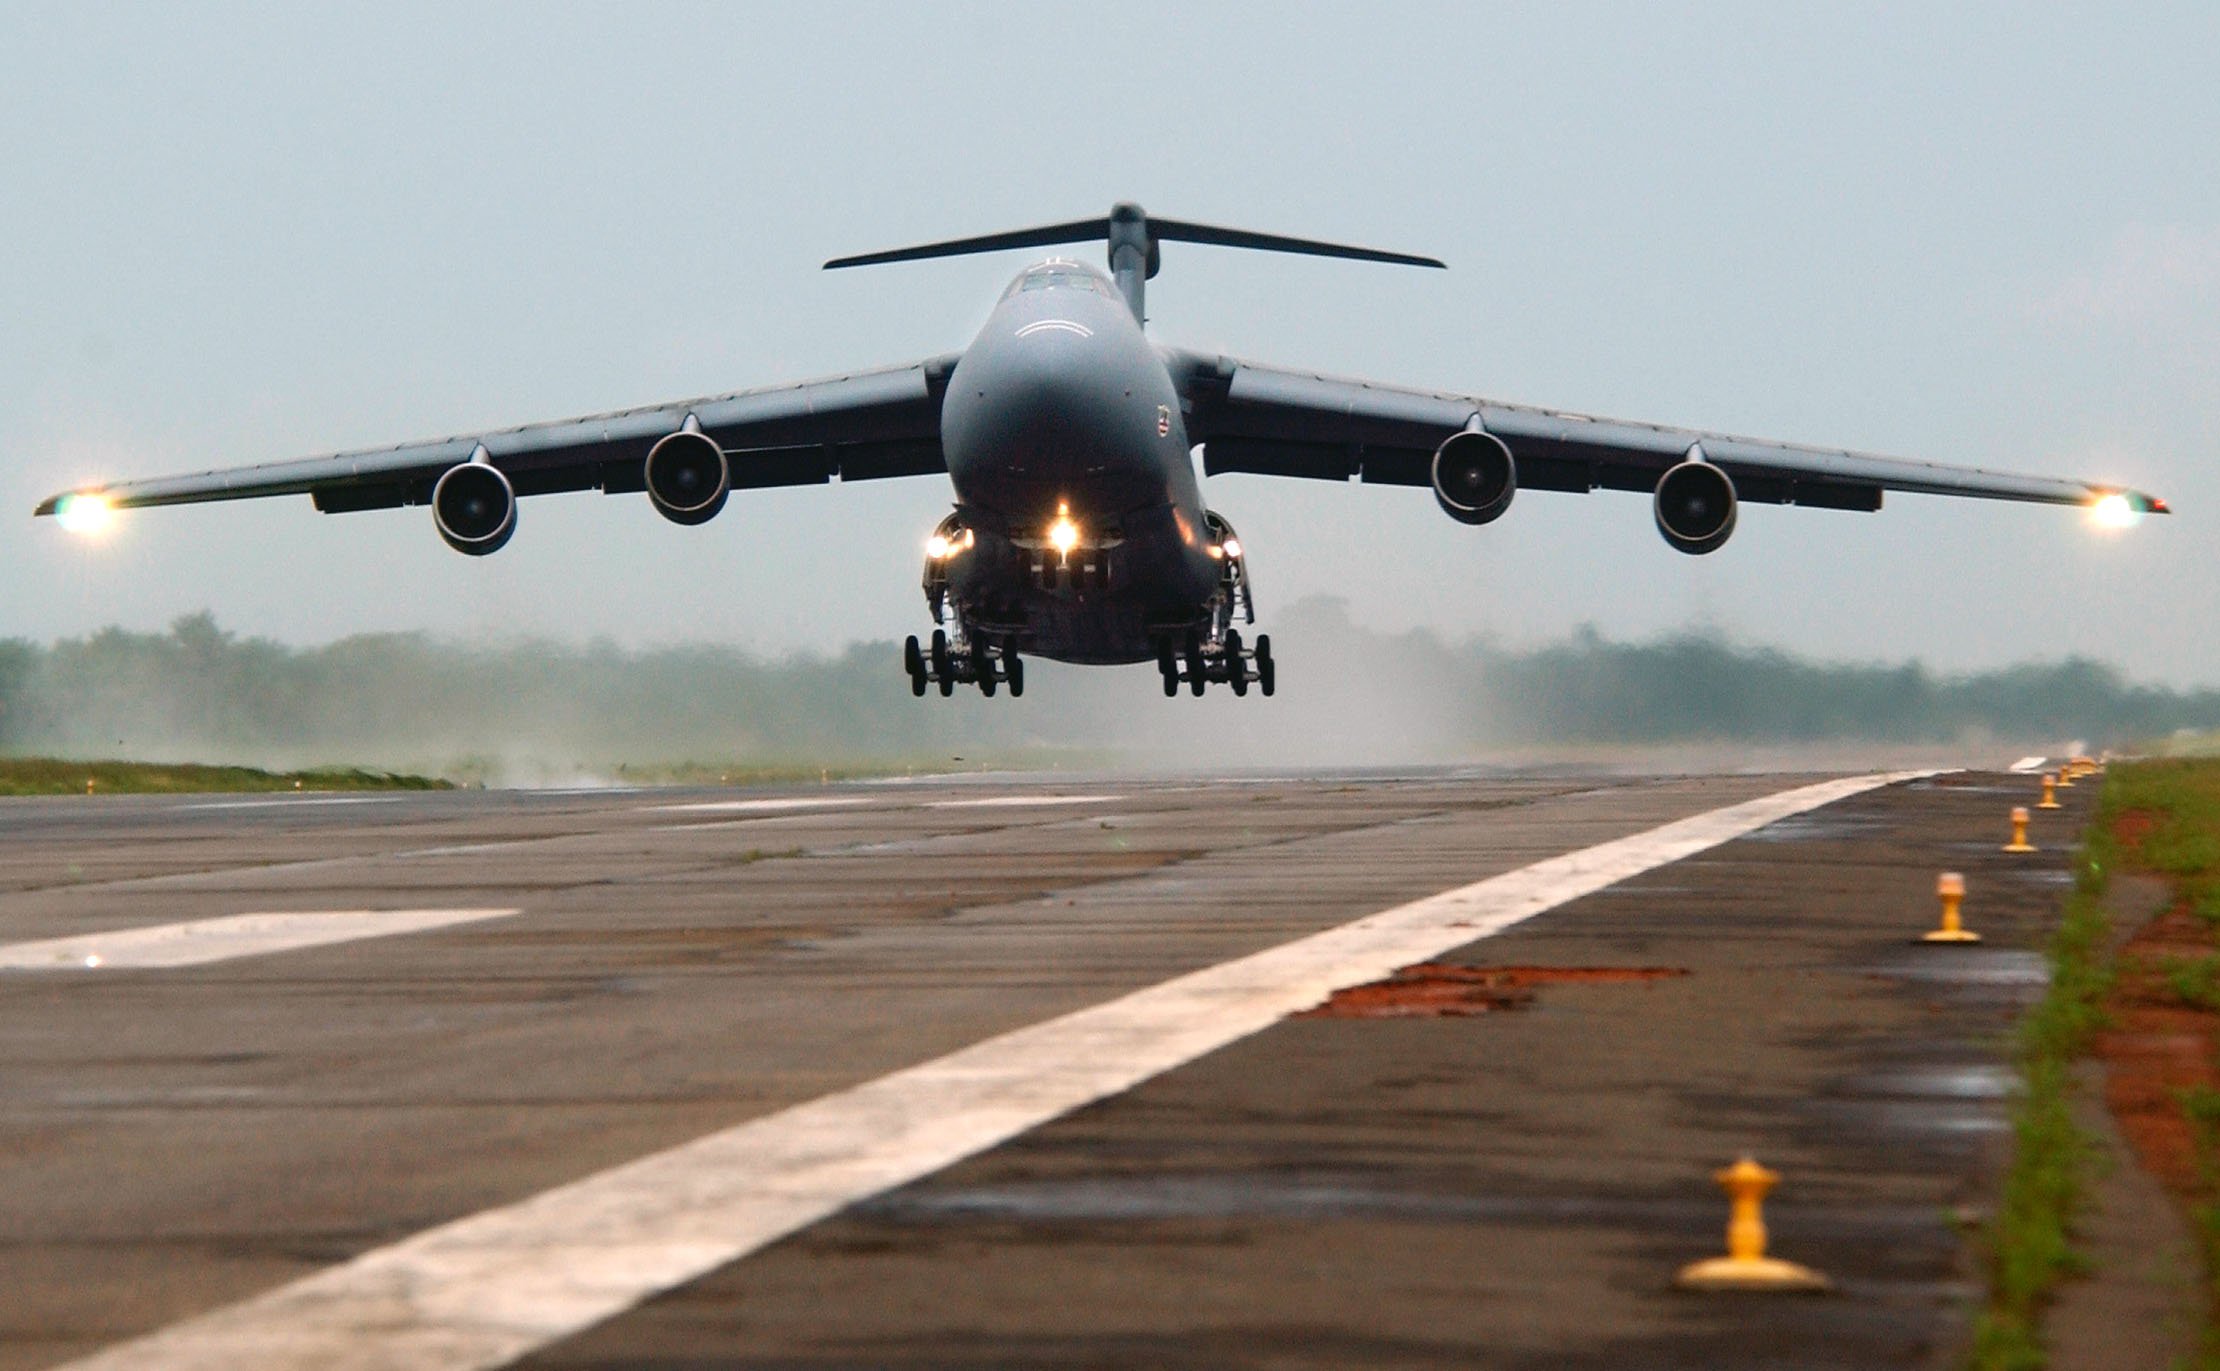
(861, 427)
(1290, 423)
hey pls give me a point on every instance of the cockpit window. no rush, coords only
(1059, 278)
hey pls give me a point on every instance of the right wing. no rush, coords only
(1276, 421)
(861, 427)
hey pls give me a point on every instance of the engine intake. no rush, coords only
(1695, 507)
(1474, 476)
(687, 478)
(474, 508)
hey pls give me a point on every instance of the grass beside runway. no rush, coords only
(59, 776)
(2163, 817)
(2030, 1242)
(2169, 814)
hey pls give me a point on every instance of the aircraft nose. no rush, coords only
(1042, 407)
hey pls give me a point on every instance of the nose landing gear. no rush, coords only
(1198, 662)
(949, 663)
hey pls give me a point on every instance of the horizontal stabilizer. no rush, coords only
(1046, 235)
(1129, 216)
(1179, 231)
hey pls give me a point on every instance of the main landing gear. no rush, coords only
(963, 662)
(1198, 663)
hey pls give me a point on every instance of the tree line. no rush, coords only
(536, 707)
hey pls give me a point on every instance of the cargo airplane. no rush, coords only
(1079, 531)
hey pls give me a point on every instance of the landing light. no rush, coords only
(1233, 547)
(938, 546)
(2114, 511)
(1063, 535)
(84, 515)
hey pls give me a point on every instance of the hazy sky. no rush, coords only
(1984, 234)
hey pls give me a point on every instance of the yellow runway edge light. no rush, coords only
(1951, 887)
(1746, 1267)
(2019, 841)
(2050, 792)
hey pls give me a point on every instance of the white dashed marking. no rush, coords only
(1024, 801)
(220, 940)
(756, 806)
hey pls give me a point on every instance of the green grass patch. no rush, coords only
(2179, 799)
(2030, 1246)
(2195, 981)
(56, 776)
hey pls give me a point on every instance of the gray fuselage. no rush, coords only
(1062, 410)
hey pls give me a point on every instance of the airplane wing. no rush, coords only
(1281, 422)
(861, 427)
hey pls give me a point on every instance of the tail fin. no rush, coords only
(1133, 238)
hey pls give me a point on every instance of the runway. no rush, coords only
(479, 1007)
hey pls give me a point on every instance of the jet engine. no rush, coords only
(474, 508)
(1474, 476)
(687, 479)
(1695, 506)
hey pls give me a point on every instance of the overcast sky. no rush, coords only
(1982, 234)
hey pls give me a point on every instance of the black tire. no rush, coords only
(1166, 664)
(1197, 680)
(939, 658)
(986, 679)
(913, 656)
(1237, 670)
(917, 684)
(1265, 676)
(1013, 666)
(1171, 684)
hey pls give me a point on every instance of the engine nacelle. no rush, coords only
(474, 508)
(1695, 507)
(1474, 477)
(687, 478)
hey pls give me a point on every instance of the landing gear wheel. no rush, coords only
(940, 664)
(1171, 684)
(1197, 682)
(1264, 673)
(1237, 670)
(1013, 666)
(913, 662)
(986, 679)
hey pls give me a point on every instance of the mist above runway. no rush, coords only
(541, 711)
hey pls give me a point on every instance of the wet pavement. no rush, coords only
(1512, 1187)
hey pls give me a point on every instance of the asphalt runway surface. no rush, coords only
(1001, 1071)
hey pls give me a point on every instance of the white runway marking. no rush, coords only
(297, 800)
(491, 1288)
(1022, 801)
(754, 806)
(220, 940)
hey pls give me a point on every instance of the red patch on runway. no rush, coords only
(1433, 990)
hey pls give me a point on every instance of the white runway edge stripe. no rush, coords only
(220, 940)
(493, 1287)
